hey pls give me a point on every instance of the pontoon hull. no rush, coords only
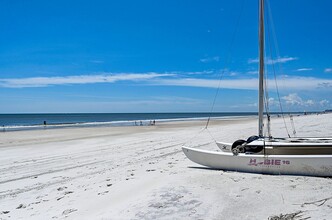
(307, 165)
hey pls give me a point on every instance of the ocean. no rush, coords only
(10, 122)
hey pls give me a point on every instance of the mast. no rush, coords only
(261, 69)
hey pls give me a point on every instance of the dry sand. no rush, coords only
(141, 173)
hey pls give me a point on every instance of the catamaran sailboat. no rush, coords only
(260, 154)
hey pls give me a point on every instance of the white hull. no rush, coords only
(225, 147)
(308, 165)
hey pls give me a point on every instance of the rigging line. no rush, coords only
(266, 92)
(199, 133)
(227, 61)
(215, 141)
(293, 126)
(269, 18)
(193, 136)
(280, 66)
(266, 98)
(266, 103)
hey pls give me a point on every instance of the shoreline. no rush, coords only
(22, 137)
(23, 125)
(130, 123)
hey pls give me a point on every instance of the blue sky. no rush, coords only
(161, 56)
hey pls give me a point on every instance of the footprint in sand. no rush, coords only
(68, 192)
(60, 198)
(68, 211)
(62, 188)
(102, 193)
(21, 206)
(150, 170)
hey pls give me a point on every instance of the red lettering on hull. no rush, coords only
(268, 162)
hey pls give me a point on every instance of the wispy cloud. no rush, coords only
(273, 61)
(81, 79)
(96, 61)
(209, 83)
(168, 100)
(253, 72)
(186, 79)
(289, 83)
(210, 59)
(328, 70)
(181, 73)
(304, 69)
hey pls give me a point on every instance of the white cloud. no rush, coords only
(295, 99)
(82, 79)
(289, 83)
(273, 102)
(273, 61)
(309, 102)
(210, 59)
(328, 70)
(324, 102)
(189, 79)
(304, 69)
(281, 60)
(207, 83)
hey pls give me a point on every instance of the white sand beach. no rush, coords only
(141, 173)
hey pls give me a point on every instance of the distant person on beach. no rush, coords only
(140, 123)
(44, 123)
